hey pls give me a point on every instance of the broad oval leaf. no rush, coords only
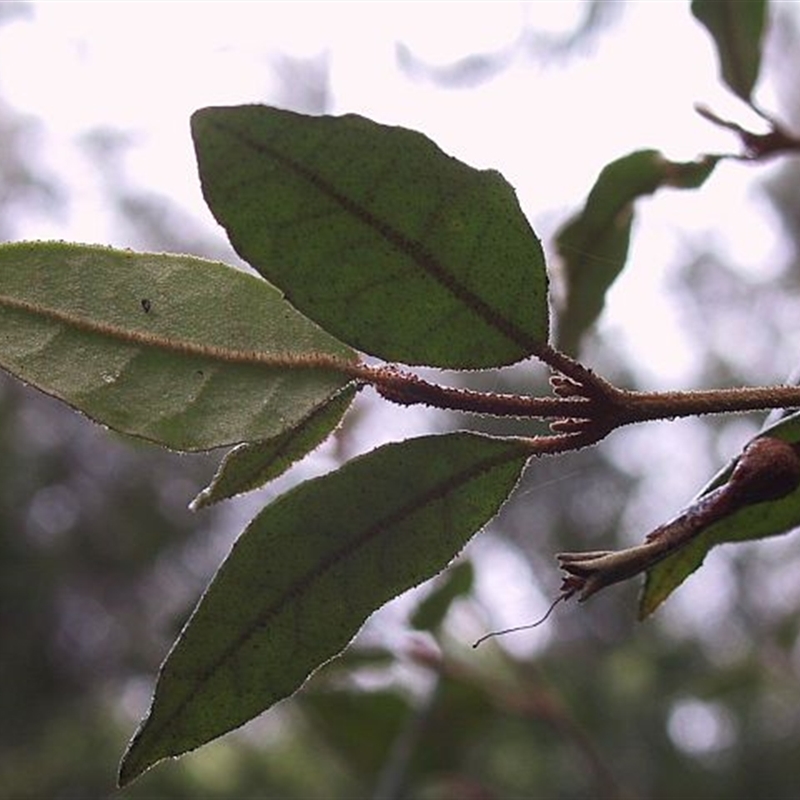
(593, 245)
(752, 522)
(188, 353)
(737, 30)
(254, 464)
(309, 570)
(375, 233)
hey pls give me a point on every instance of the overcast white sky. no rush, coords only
(548, 127)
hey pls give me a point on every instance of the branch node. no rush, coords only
(756, 146)
(567, 387)
(589, 572)
(570, 425)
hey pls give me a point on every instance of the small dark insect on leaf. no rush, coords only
(146, 305)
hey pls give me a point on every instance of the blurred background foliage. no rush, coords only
(101, 560)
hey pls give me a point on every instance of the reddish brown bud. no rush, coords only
(768, 469)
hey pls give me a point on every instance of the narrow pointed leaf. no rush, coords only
(737, 29)
(309, 570)
(253, 464)
(375, 233)
(456, 582)
(593, 245)
(188, 353)
(752, 522)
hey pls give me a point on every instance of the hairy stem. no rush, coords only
(408, 389)
(580, 394)
(768, 469)
(634, 407)
(757, 146)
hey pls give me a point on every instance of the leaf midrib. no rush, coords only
(301, 586)
(399, 241)
(181, 347)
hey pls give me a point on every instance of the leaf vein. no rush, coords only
(400, 241)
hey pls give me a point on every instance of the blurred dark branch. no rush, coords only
(768, 469)
(756, 146)
(477, 68)
(542, 703)
(393, 779)
(535, 701)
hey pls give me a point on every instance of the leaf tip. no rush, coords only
(132, 766)
(648, 604)
(202, 500)
(142, 753)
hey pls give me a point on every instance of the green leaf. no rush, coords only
(737, 29)
(752, 522)
(379, 236)
(253, 464)
(309, 570)
(593, 245)
(431, 612)
(359, 727)
(188, 353)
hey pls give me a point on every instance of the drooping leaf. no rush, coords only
(455, 583)
(254, 464)
(309, 570)
(379, 236)
(737, 29)
(593, 245)
(752, 522)
(188, 353)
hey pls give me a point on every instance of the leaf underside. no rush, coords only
(188, 353)
(752, 522)
(253, 464)
(375, 233)
(309, 570)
